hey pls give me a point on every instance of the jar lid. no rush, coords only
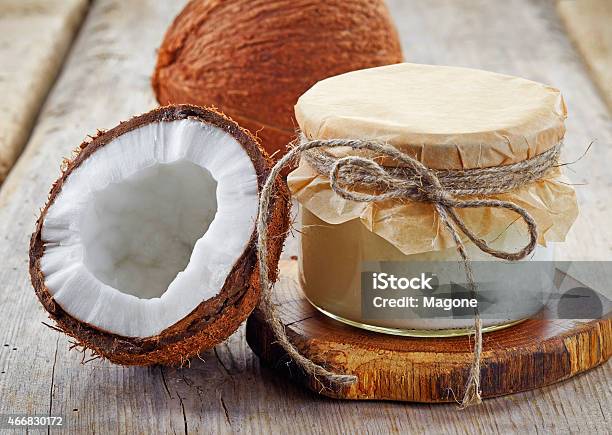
(447, 117)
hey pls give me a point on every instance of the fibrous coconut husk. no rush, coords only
(254, 58)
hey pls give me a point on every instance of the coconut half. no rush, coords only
(145, 251)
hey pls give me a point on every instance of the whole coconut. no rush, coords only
(254, 58)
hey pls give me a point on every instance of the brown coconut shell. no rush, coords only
(254, 58)
(213, 320)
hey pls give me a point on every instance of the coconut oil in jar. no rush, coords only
(448, 119)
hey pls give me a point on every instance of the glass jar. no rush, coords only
(449, 119)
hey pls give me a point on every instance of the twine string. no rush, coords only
(361, 179)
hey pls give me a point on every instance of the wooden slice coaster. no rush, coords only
(532, 354)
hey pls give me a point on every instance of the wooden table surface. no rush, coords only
(105, 79)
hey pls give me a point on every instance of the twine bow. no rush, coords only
(362, 179)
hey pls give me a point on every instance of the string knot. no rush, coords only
(362, 179)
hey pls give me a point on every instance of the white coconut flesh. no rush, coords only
(149, 226)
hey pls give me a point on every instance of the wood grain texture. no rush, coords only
(588, 23)
(34, 38)
(532, 354)
(106, 79)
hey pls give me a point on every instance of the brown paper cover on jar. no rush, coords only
(448, 118)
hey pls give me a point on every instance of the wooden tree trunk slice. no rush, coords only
(529, 355)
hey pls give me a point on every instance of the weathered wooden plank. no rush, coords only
(588, 24)
(34, 37)
(106, 80)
